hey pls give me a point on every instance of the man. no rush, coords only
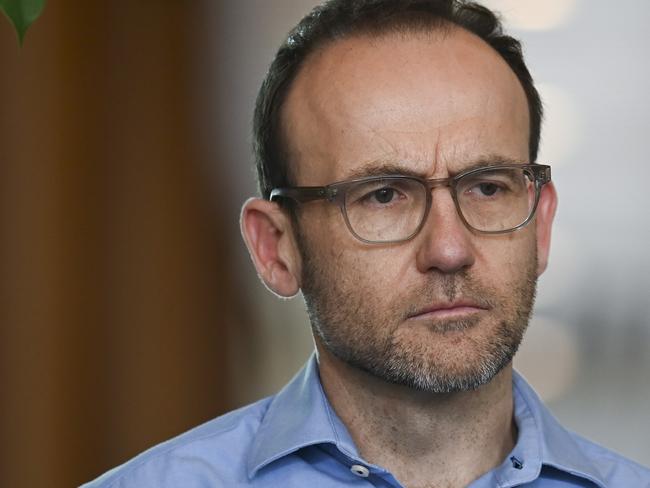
(396, 144)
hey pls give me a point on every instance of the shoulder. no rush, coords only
(207, 455)
(572, 453)
(616, 470)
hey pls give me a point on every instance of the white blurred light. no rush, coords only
(534, 14)
(560, 280)
(562, 126)
(548, 358)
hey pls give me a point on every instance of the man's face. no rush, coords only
(446, 310)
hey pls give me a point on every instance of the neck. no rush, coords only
(424, 439)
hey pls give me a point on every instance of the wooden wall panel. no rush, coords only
(115, 309)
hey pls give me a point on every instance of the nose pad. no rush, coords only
(444, 243)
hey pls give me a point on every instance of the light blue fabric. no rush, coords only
(294, 439)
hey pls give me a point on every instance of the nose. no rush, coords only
(444, 244)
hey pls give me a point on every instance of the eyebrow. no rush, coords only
(382, 168)
(487, 160)
(387, 167)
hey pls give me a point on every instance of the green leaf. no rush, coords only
(22, 13)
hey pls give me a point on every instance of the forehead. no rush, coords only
(434, 102)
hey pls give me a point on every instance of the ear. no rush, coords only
(544, 221)
(268, 234)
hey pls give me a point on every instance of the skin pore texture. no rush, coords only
(414, 340)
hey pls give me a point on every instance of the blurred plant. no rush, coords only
(21, 13)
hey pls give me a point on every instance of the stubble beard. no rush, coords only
(364, 331)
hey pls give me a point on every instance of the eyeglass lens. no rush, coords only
(392, 209)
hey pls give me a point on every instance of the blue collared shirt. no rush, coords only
(294, 439)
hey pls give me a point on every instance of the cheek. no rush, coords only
(328, 235)
(506, 259)
(380, 279)
(323, 224)
(357, 271)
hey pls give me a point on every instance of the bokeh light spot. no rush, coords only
(562, 129)
(548, 357)
(534, 14)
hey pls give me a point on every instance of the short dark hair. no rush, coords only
(337, 19)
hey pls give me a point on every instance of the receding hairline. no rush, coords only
(438, 29)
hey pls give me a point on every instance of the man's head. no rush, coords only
(338, 19)
(416, 95)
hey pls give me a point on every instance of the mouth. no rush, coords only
(460, 309)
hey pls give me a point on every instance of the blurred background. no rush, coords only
(129, 311)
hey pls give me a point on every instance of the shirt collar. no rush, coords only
(300, 416)
(557, 446)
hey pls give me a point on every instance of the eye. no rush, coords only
(383, 195)
(488, 189)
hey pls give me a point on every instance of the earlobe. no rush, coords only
(544, 222)
(268, 234)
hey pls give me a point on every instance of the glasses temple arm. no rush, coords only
(301, 194)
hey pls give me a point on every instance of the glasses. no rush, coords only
(388, 209)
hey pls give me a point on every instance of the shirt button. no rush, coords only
(360, 471)
(516, 463)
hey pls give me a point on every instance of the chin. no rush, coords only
(452, 358)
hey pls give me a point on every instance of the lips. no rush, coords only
(448, 309)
